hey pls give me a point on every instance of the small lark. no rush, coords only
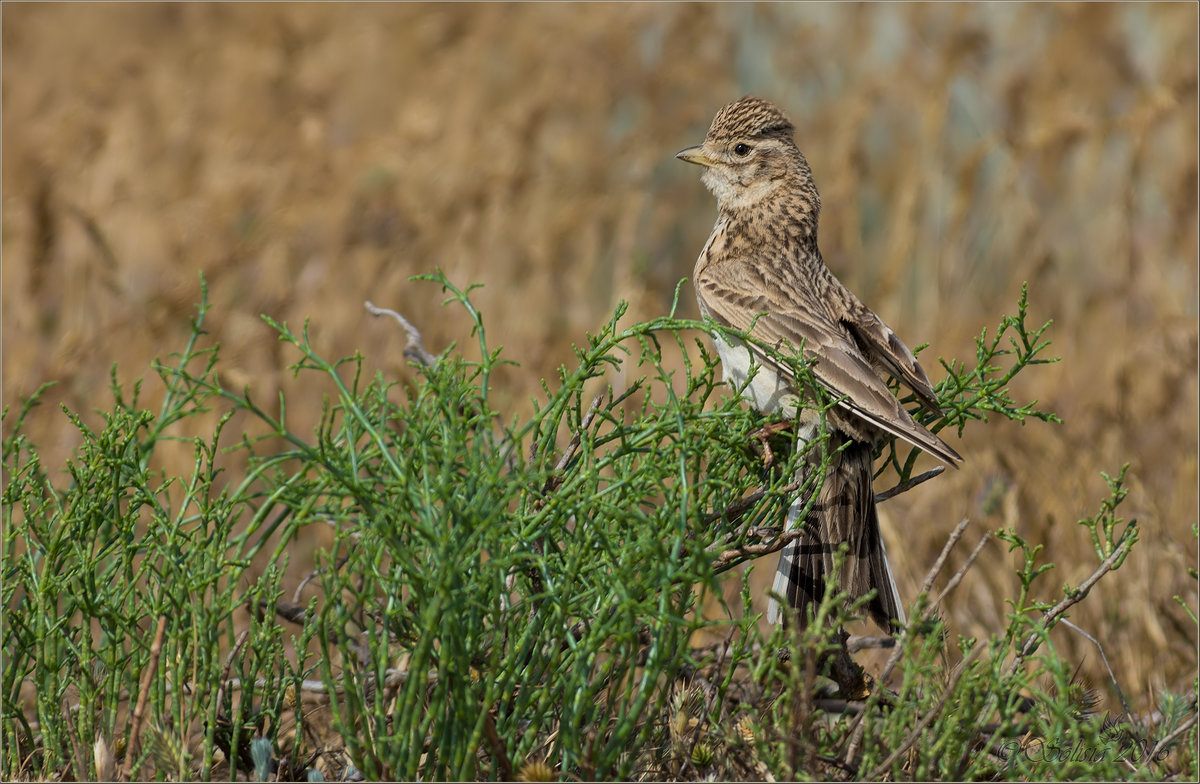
(762, 261)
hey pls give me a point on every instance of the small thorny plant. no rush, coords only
(506, 598)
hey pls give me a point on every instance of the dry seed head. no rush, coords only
(536, 770)
(104, 759)
(744, 730)
(690, 700)
(681, 723)
(686, 708)
(166, 748)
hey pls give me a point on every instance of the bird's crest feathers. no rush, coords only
(750, 117)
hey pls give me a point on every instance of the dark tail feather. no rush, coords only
(844, 512)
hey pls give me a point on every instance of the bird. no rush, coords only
(761, 272)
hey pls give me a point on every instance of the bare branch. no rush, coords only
(555, 478)
(415, 350)
(956, 578)
(951, 541)
(763, 434)
(289, 611)
(1112, 676)
(856, 734)
(1169, 739)
(847, 707)
(1031, 642)
(904, 487)
(855, 643)
(496, 746)
(143, 690)
(732, 555)
(882, 768)
(735, 510)
(237, 646)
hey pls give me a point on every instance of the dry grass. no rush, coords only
(307, 158)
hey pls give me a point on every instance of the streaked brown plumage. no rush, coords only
(762, 262)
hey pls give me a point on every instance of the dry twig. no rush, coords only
(856, 733)
(1167, 740)
(733, 554)
(139, 710)
(855, 643)
(237, 646)
(882, 768)
(496, 746)
(415, 350)
(956, 578)
(555, 479)
(904, 487)
(1112, 676)
(1079, 594)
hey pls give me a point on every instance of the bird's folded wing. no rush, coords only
(739, 296)
(882, 347)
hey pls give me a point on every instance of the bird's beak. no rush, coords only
(695, 155)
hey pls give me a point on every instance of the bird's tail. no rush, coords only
(844, 512)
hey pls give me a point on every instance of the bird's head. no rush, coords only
(749, 156)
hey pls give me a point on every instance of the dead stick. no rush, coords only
(1111, 675)
(237, 646)
(1166, 741)
(904, 487)
(956, 578)
(143, 689)
(735, 510)
(733, 554)
(415, 349)
(497, 747)
(555, 478)
(930, 715)
(856, 733)
(1032, 641)
(855, 643)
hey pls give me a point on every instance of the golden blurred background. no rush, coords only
(309, 157)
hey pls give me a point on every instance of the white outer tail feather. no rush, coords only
(783, 571)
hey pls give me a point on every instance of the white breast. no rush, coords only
(767, 391)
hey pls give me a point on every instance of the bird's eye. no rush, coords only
(741, 149)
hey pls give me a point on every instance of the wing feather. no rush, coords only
(882, 347)
(738, 295)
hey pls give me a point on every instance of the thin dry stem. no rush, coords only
(1112, 675)
(956, 578)
(856, 734)
(555, 478)
(237, 646)
(734, 511)
(912, 482)
(415, 350)
(882, 768)
(1168, 739)
(733, 554)
(1032, 641)
(855, 643)
(139, 709)
(496, 746)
